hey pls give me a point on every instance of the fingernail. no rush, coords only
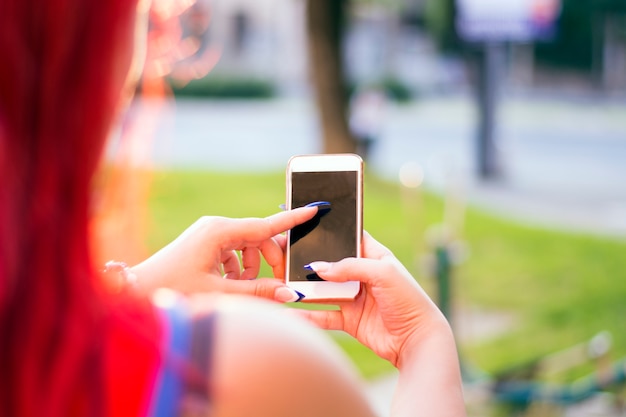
(323, 207)
(318, 204)
(287, 295)
(283, 207)
(318, 266)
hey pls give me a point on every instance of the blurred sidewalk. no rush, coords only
(563, 158)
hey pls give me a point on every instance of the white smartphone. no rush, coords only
(332, 234)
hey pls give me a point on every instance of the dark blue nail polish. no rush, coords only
(300, 296)
(323, 207)
(308, 267)
(318, 204)
(322, 211)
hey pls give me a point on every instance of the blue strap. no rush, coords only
(169, 382)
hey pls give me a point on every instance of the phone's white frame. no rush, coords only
(325, 290)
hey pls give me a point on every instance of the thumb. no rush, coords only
(268, 288)
(367, 271)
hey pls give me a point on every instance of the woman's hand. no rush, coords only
(395, 318)
(390, 312)
(206, 257)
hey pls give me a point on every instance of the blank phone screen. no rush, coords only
(328, 236)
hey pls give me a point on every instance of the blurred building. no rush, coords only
(266, 40)
(262, 39)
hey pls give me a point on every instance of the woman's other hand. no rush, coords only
(224, 254)
(391, 308)
(393, 316)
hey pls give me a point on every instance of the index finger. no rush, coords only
(377, 265)
(254, 230)
(285, 220)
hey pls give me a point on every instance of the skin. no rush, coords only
(275, 364)
(395, 318)
(392, 315)
(204, 257)
(255, 341)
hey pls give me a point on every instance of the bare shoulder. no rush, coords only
(267, 362)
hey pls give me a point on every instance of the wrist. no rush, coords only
(147, 279)
(429, 360)
(120, 275)
(434, 337)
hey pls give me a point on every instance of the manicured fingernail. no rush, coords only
(323, 207)
(287, 295)
(318, 204)
(318, 266)
(283, 207)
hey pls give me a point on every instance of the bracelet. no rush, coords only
(122, 270)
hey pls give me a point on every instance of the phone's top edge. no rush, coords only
(325, 162)
(326, 155)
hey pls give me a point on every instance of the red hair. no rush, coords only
(60, 82)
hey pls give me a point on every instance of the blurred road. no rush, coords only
(563, 158)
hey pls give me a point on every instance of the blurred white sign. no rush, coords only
(514, 20)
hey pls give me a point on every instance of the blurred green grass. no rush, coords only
(560, 288)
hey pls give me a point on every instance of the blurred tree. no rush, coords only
(581, 36)
(439, 17)
(579, 33)
(484, 66)
(585, 32)
(572, 47)
(325, 26)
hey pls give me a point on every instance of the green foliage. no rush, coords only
(578, 28)
(612, 6)
(225, 88)
(394, 89)
(397, 90)
(387, 4)
(560, 288)
(439, 16)
(573, 44)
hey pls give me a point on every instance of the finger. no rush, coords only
(274, 256)
(369, 271)
(281, 240)
(257, 230)
(231, 265)
(324, 319)
(251, 260)
(283, 221)
(271, 289)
